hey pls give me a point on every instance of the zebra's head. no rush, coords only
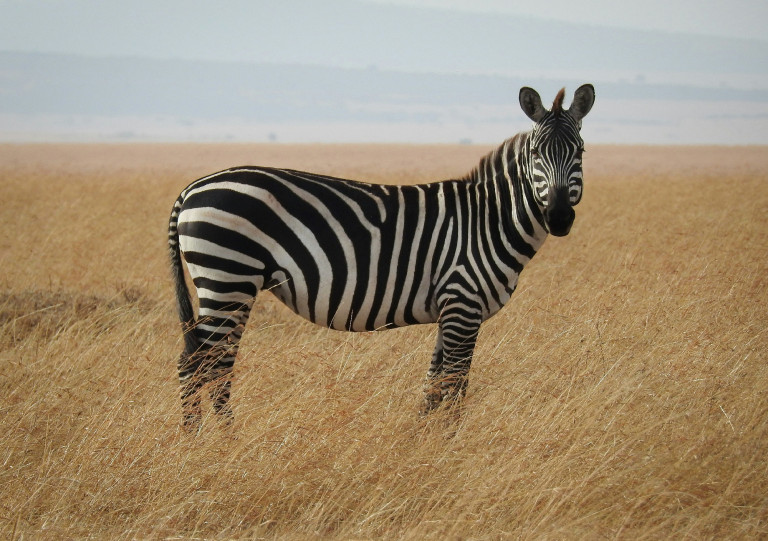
(553, 154)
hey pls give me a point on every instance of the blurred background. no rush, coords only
(421, 71)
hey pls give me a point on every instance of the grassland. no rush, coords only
(622, 394)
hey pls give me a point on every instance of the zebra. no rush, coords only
(355, 256)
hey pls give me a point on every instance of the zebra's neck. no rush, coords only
(511, 203)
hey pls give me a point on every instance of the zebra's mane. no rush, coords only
(495, 156)
(557, 105)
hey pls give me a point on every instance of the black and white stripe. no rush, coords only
(355, 256)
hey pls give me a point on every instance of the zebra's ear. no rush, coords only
(530, 101)
(583, 99)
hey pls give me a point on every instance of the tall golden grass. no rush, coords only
(622, 393)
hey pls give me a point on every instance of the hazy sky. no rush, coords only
(107, 27)
(727, 18)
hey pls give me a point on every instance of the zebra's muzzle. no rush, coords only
(559, 219)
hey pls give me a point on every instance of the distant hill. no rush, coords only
(69, 84)
(37, 86)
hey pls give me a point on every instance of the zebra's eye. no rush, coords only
(535, 153)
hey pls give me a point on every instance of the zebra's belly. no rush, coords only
(370, 315)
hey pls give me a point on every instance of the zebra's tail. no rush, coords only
(183, 299)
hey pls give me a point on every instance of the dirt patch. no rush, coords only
(46, 313)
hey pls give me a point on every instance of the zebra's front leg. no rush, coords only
(432, 389)
(448, 374)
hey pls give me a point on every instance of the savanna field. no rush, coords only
(621, 394)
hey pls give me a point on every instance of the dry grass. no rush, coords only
(621, 394)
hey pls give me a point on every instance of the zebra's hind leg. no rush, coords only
(191, 381)
(219, 329)
(210, 367)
